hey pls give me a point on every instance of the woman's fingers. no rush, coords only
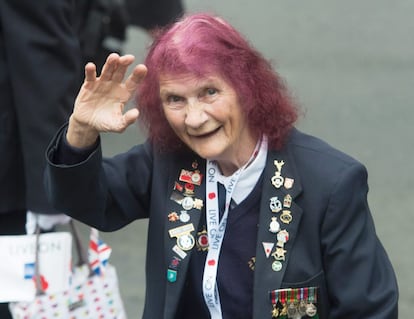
(109, 67)
(123, 63)
(131, 116)
(136, 77)
(90, 72)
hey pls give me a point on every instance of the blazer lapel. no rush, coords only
(281, 185)
(185, 189)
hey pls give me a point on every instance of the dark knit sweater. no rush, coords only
(235, 273)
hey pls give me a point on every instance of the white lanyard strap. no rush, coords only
(216, 230)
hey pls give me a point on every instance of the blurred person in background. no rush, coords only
(248, 216)
(39, 74)
(102, 24)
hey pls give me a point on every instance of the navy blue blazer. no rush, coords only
(332, 240)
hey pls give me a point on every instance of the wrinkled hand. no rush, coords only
(99, 106)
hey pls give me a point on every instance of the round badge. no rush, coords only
(195, 178)
(187, 203)
(184, 216)
(202, 241)
(186, 242)
(276, 266)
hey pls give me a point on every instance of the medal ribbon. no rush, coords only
(216, 229)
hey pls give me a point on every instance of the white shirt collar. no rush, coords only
(250, 175)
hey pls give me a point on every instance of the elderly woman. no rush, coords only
(248, 217)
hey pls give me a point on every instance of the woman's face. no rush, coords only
(206, 115)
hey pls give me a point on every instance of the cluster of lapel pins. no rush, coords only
(281, 208)
(183, 195)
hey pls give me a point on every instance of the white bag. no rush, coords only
(92, 297)
(17, 265)
(93, 292)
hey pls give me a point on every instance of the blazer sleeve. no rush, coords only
(105, 193)
(361, 281)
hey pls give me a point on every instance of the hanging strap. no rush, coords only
(38, 282)
(81, 251)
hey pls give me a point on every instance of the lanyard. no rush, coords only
(216, 229)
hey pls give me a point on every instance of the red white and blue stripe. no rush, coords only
(99, 253)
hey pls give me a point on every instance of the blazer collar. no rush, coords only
(184, 189)
(281, 187)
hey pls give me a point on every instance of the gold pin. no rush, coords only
(286, 217)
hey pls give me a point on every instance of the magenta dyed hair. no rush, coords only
(201, 45)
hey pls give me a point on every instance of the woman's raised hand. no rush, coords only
(99, 106)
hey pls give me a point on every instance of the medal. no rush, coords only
(283, 300)
(302, 308)
(310, 310)
(274, 297)
(292, 311)
(275, 312)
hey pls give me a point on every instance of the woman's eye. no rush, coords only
(174, 99)
(211, 91)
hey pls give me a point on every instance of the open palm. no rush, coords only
(101, 101)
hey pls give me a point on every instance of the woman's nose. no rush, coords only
(195, 115)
